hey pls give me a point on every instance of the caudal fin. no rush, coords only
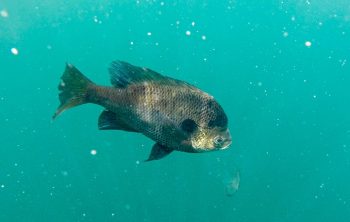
(73, 89)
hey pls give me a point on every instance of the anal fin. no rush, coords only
(158, 152)
(109, 120)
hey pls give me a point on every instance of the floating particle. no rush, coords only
(285, 34)
(177, 22)
(308, 44)
(204, 37)
(232, 182)
(137, 162)
(188, 33)
(149, 33)
(161, 3)
(4, 13)
(2, 186)
(95, 19)
(93, 152)
(49, 47)
(131, 43)
(14, 51)
(193, 23)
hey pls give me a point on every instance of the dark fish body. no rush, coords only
(173, 113)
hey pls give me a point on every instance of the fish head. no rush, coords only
(210, 139)
(209, 131)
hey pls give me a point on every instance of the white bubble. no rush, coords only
(149, 33)
(308, 44)
(204, 37)
(2, 186)
(188, 33)
(285, 34)
(14, 51)
(193, 23)
(93, 152)
(131, 43)
(4, 13)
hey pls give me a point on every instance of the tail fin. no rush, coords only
(74, 88)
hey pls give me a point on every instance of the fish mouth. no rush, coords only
(227, 145)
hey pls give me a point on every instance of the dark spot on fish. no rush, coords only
(189, 125)
(219, 121)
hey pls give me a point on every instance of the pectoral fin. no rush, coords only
(108, 120)
(158, 152)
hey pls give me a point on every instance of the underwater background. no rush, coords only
(280, 69)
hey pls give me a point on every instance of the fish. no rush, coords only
(176, 115)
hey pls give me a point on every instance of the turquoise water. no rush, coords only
(280, 69)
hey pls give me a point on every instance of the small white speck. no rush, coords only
(14, 51)
(193, 23)
(161, 3)
(177, 22)
(292, 18)
(149, 33)
(285, 34)
(113, 214)
(343, 62)
(204, 37)
(131, 43)
(93, 152)
(63, 84)
(84, 214)
(137, 162)
(308, 44)
(314, 96)
(4, 13)
(2, 186)
(259, 83)
(188, 33)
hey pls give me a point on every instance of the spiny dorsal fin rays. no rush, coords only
(123, 74)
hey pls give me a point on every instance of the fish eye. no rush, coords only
(218, 140)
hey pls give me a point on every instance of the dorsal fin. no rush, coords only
(123, 74)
